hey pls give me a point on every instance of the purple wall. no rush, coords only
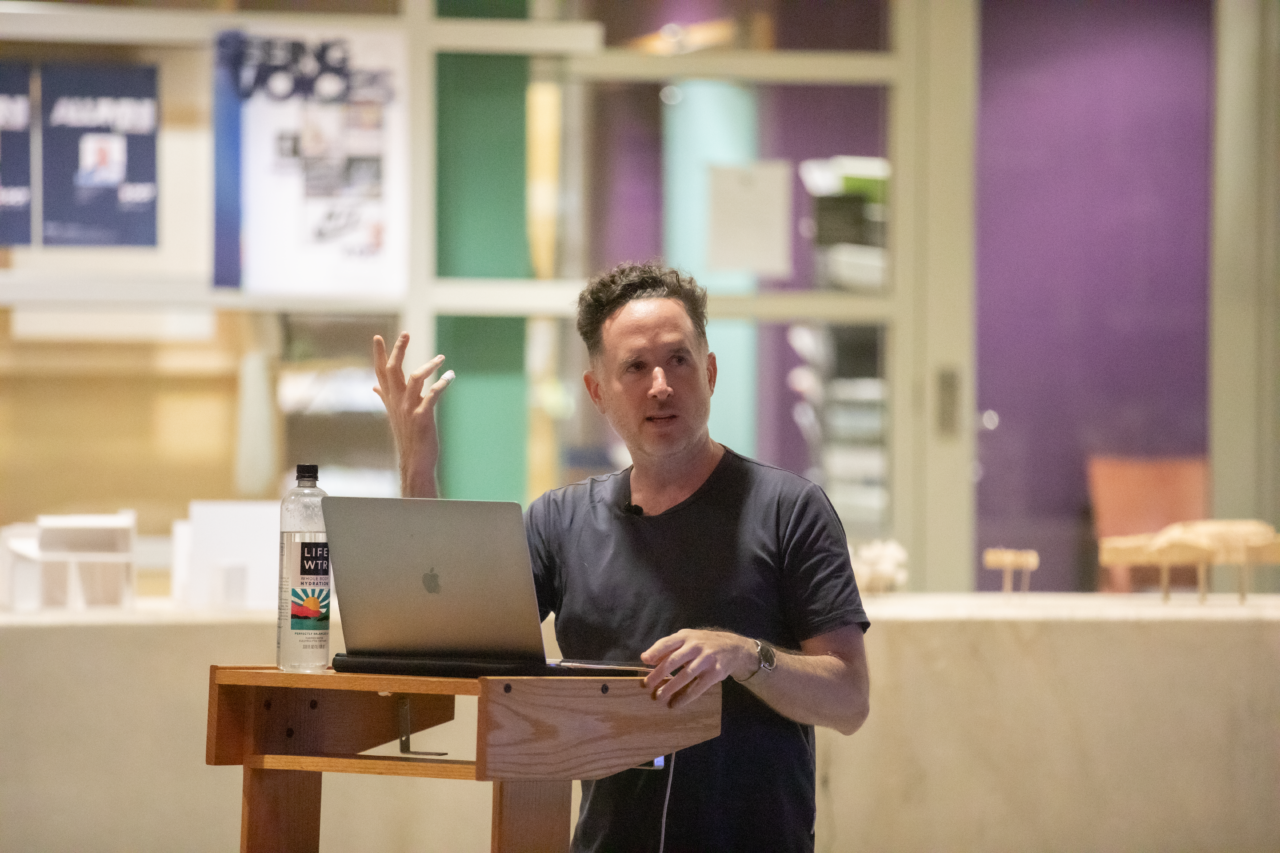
(626, 175)
(1093, 171)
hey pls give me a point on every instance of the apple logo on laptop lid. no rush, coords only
(431, 581)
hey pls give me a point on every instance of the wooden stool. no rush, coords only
(1009, 561)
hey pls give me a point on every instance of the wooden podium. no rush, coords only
(534, 735)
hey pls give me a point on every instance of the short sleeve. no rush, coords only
(819, 590)
(540, 531)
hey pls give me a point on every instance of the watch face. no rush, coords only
(768, 657)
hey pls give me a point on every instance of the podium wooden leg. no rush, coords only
(280, 812)
(531, 817)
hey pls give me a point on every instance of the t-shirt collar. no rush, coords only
(622, 498)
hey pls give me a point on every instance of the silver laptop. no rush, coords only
(437, 587)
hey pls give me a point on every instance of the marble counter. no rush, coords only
(1062, 722)
(102, 737)
(1069, 607)
(999, 723)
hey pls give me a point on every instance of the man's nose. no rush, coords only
(659, 388)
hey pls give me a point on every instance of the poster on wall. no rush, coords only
(15, 154)
(99, 154)
(311, 164)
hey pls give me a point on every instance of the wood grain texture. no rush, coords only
(581, 728)
(280, 720)
(225, 735)
(369, 765)
(531, 817)
(261, 676)
(288, 721)
(280, 811)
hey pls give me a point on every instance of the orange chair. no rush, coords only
(1134, 495)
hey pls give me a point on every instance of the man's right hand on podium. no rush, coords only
(412, 413)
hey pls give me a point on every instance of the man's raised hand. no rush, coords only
(412, 414)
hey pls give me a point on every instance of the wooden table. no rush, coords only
(534, 735)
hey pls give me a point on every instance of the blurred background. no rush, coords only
(936, 297)
(962, 256)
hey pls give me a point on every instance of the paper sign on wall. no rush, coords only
(750, 228)
(311, 164)
(99, 154)
(15, 154)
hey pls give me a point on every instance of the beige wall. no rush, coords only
(96, 427)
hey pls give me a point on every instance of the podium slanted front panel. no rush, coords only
(581, 728)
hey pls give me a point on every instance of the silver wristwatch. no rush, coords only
(768, 659)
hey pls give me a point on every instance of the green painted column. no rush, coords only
(483, 417)
(480, 177)
(482, 8)
(481, 233)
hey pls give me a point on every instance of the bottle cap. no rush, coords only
(308, 472)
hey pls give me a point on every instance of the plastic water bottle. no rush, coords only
(302, 628)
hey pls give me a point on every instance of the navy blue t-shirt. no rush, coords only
(755, 550)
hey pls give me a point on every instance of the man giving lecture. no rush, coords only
(705, 564)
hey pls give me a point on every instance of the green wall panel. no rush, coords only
(480, 176)
(482, 8)
(481, 233)
(483, 416)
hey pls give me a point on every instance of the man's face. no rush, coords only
(653, 379)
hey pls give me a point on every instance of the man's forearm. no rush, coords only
(825, 684)
(817, 689)
(418, 481)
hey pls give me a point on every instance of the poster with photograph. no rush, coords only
(15, 154)
(99, 154)
(311, 164)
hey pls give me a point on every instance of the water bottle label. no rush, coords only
(309, 593)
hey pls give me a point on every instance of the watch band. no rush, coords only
(766, 659)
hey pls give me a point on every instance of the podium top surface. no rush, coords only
(270, 676)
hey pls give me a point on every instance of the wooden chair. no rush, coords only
(1132, 496)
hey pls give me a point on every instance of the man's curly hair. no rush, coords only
(606, 293)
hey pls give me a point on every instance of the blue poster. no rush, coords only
(15, 154)
(231, 49)
(99, 152)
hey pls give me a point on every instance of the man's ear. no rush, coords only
(593, 390)
(711, 371)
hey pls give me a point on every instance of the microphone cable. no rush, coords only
(671, 774)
